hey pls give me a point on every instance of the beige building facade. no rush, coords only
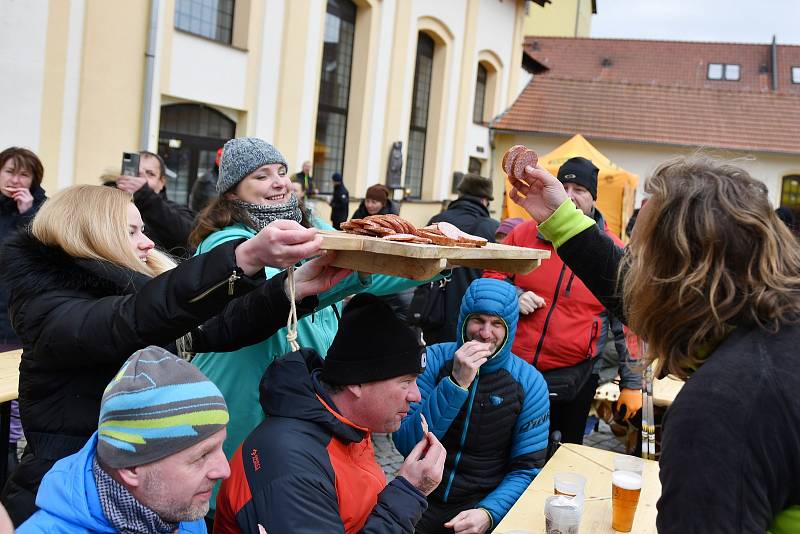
(332, 81)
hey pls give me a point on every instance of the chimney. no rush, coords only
(774, 64)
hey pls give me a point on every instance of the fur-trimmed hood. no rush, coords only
(29, 267)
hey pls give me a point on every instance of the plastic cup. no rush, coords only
(569, 484)
(562, 515)
(626, 487)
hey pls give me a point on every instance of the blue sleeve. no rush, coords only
(440, 402)
(528, 446)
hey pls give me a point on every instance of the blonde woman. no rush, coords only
(711, 281)
(89, 289)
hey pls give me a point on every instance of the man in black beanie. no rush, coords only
(310, 466)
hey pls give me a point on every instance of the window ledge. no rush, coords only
(209, 39)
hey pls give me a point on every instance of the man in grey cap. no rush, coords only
(151, 464)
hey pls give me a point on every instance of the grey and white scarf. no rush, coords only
(262, 215)
(123, 511)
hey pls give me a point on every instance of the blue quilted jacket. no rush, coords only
(496, 431)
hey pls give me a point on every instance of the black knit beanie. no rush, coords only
(580, 171)
(372, 344)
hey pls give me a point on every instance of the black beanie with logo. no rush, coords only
(372, 344)
(580, 171)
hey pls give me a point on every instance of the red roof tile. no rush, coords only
(658, 92)
(666, 63)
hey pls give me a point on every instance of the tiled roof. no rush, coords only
(667, 63)
(657, 92)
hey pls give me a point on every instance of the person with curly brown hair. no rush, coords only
(711, 282)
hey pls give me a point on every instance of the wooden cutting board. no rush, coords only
(420, 262)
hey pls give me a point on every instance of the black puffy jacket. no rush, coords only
(10, 220)
(468, 214)
(80, 319)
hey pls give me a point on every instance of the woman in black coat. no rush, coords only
(89, 290)
(21, 195)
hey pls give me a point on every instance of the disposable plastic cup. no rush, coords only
(562, 515)
(569, 484)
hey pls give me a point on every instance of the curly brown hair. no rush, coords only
(708, 255)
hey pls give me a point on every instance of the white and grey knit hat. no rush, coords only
(243, 155)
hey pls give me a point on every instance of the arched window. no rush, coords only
(334, 92)
(189, 136)
(480, 95)
(417, 134)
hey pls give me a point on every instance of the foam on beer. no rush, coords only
(627, 480)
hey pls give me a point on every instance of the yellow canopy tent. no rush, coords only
(616, 187)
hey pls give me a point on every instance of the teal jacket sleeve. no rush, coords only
(440, 402)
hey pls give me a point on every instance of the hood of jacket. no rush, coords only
(30, 267)
(289, 388)
(69, 492)
(491, 297)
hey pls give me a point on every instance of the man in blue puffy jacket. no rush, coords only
(151, 464)
(489, 409)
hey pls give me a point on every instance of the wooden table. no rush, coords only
(9, 382)
(527, 515)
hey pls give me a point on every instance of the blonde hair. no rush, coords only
(91, 221)
(709, 255)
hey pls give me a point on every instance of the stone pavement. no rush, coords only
(390, 460)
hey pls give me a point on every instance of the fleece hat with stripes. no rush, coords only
(155, 406)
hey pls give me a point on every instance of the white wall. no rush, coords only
(205, 71)
(496, 33)
(22, 56)
(375, 167)
(266, 101)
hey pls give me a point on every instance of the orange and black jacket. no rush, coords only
(307, 469)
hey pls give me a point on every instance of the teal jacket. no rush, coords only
(237, 374)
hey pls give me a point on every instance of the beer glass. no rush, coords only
(626, 485)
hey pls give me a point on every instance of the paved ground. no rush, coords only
(390, 460)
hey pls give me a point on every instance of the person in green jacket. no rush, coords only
(254, 190)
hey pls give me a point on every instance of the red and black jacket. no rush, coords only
(566, 330)
(306, 468)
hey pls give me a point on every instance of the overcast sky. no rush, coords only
(738, 21)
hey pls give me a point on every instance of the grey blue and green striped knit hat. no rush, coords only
(155, 406)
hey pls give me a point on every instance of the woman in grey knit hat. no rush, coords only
(255, 189)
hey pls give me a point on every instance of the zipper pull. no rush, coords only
(233, 278)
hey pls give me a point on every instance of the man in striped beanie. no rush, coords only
(151, 464)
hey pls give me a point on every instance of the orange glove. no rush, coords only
(632, 400)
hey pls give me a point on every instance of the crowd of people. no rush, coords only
(161, 388)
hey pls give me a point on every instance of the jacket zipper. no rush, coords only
(569, 285)
(230, 281)
(463, 438)
(549, 314)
